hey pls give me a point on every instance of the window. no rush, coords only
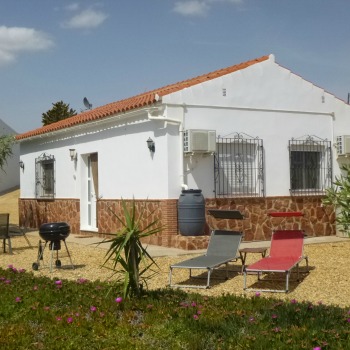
(310, 165)
(239, 167)
(45, 176)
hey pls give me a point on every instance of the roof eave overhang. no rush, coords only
(81, 126)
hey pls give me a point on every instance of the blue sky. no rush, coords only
(107, 50)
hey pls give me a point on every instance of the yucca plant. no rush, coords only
(129, 257)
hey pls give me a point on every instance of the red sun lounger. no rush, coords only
(286, 252)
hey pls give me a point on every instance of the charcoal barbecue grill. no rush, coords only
(52, 233)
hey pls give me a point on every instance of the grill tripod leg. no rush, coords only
(71, 262)
(55, 245)
(52, 249)
(35, 265)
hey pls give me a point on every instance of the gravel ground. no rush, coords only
(328, 281)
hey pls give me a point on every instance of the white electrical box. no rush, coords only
(343, 145)
(199, 141)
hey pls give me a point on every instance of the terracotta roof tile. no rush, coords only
(134, 102)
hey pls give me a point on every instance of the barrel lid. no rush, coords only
(191, 191)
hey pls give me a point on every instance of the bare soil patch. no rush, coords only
(9, 204)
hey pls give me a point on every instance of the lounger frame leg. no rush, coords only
(170, 276)
(209, 274)
(8, 243)
(287, 278)
(188, 286)
(208, 278)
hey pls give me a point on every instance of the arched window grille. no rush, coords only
(45, 176)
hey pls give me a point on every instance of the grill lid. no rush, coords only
(54, 231)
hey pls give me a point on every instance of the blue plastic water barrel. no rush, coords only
(191, 213)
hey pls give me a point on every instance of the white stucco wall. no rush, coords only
(126, 167)
(264, 101)
(9, 176)
(275, 129)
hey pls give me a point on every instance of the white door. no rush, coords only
(89, 220)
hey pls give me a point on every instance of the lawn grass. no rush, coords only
(44, 313)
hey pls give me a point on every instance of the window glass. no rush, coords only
(306, 170)
(310, 165)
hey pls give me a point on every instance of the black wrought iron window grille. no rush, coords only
(310, 161)
(239, 166)
(45, 176)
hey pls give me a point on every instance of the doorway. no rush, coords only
(90, 193)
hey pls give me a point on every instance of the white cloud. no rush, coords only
(16, 40)
(191, 8)
(227, 1)
(73, 7)
(199, 7)
(86, 19)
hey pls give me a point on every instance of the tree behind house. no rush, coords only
(59, 111)
(6, 143)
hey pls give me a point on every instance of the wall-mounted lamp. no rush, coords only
(21, 164)
(73, 154)
(151, 145)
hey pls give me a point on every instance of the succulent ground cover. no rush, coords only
(50, 313)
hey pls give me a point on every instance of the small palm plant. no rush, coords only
(127, 251)
(339, 196)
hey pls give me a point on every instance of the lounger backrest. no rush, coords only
(287, 243)
(224, 243)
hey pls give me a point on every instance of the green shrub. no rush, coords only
(339, 196)
(44, 313)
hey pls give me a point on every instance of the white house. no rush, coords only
(9, 176)
(254, 137)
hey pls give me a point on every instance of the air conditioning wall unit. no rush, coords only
(199, 141)
(343, 145)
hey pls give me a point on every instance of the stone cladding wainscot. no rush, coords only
(33, 213)
(257, 225)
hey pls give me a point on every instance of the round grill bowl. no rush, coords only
(54, 231)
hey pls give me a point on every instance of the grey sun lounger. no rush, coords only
(223, 248)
